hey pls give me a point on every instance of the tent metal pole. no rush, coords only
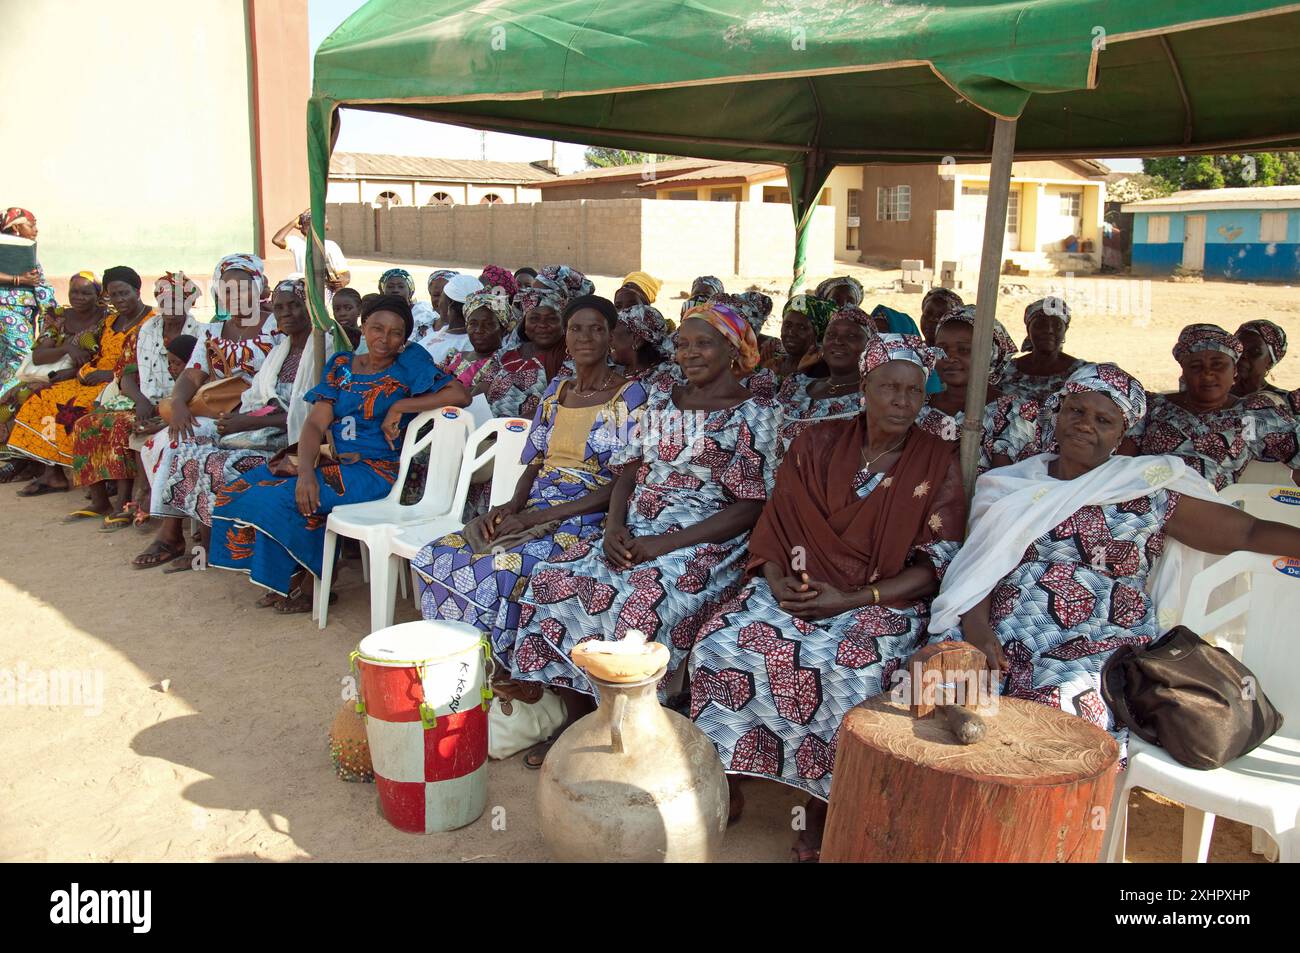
(986, 302)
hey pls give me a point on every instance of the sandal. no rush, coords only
(268, 601)
(300, 601)
(803, 854)
(12, 470)
(115, 521)
(537, 753)
(157, 554)
(40, 489)
(78, 515)
(182, 563)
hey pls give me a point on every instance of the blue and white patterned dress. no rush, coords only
(1035, 387)
(693, 465)
(771, 690)
(799, 410)
(1011, 427)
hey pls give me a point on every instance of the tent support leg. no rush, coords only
(986, 302)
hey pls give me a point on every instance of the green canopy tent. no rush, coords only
(811, 83)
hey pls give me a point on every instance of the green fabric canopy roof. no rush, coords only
(811, 83)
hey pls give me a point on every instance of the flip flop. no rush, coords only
(115, 521)
(536, 755)
(156, 555)
(40, 489)
(78, 515)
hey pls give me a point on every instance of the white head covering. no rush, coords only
(461, 287)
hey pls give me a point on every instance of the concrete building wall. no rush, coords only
(686, 239)
(181, 187)
(594, 191)
(894, 241)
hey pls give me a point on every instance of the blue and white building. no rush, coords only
(1250, 234)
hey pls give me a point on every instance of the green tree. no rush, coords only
(1235, 170)
(599, 157)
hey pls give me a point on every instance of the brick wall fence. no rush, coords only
(673, 240)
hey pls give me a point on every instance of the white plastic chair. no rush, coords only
(1261, 788)
(1274, 474)
(373, 523)
(503, 457)
(1266, 501)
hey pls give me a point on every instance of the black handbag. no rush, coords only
(1192, 699)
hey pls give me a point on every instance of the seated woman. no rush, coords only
(398, 281)
(702, 289)
(1210, 428)
(803, 322)
(561, 497)
(865, 515)
(639, 344)
(517, 387)
(23, 299)
(101, 440)
(1039, 374)
(452, 337)
(487, 319)
(637, 288)
(437, 281)
(1062, 565)
(70, 332)
(892, 321)
(347, 312)
(1010, 422)
(43, 429)
(232, 347)
(696, 472)
(935, 306)
(754, 307)
(271, 525)
(1263, 345)
(806, 400)
(844, 291)
(269, 417)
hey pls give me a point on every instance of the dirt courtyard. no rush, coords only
(231, 761)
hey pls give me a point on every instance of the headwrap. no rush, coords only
(15, 216)
(1206, 337)
(595, 303)
(753, 306)
(1121, 387)
(830, 284)
(1274, 337)
(124, 274)
(167, 288)
(495, 300)
(896, 322)
(818, 311)
(440, 273)
(93, 279)
(249, 263)
(295, 286)
(857, 316)
(1004, 348)
(694, 301)
(884, 348)
(945, 293)
(645, 323)
(1053, 306)
(461, 287)
(553, 287)
(648, 286)
(731, 325)
(494, 276)
(398, 273)
(712, 286)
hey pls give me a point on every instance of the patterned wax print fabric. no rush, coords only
(517, 386)
(1011, 428)
(256, 526)
(43, 429)
(1078, 594)
(1220, 444)
(20, 309)
(770, 690)
(693, 464)
(471, 368)
(1035, 387)
(799, 410)
(575, 448)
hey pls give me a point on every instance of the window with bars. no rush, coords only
(894, 204)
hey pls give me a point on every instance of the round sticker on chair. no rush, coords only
(451, 413)
(1287, 565)
(1284, 495)
(516, 426)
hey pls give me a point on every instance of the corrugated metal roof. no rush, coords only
(1268, 195)
(369, 164)
(727, 171)
(615, 172)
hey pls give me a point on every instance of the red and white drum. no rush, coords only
(423, 691)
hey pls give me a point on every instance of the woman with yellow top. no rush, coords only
(43, 429)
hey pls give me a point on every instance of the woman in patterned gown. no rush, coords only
(1010, 422)
(806, 400)
(1063, 561)
(233, 346)
(1263, 347)
(639, 344)
(1039, 374)
(696, 472)
(1215, 432)
(865, 516)
(803, 322)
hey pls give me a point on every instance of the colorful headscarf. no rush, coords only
(93, 279)
(712, 285)
(553, 287)
(753, 306)
(1004, 348)
(495, 300)
(295, 286)
(398, 273)
(728, 322)
(645, 323)
(15, 216)
(817, 310)
(830, 284)
(494, 276)
(440, 273)
(1120, 386)
(884, 348)
(1052, 305)
(648, 285)
(167, 288)
(857, 316)
(242, 262)
(1274, 337)
(1206, 337)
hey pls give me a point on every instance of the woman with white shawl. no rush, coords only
(1070, 556)
(270, 416)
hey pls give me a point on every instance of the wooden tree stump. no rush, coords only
(1037, 788)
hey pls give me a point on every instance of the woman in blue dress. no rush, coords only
(271, 525)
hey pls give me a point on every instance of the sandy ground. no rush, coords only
(231, 762)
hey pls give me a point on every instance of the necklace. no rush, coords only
(834, 388)
(866, 464)
(600, 387)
